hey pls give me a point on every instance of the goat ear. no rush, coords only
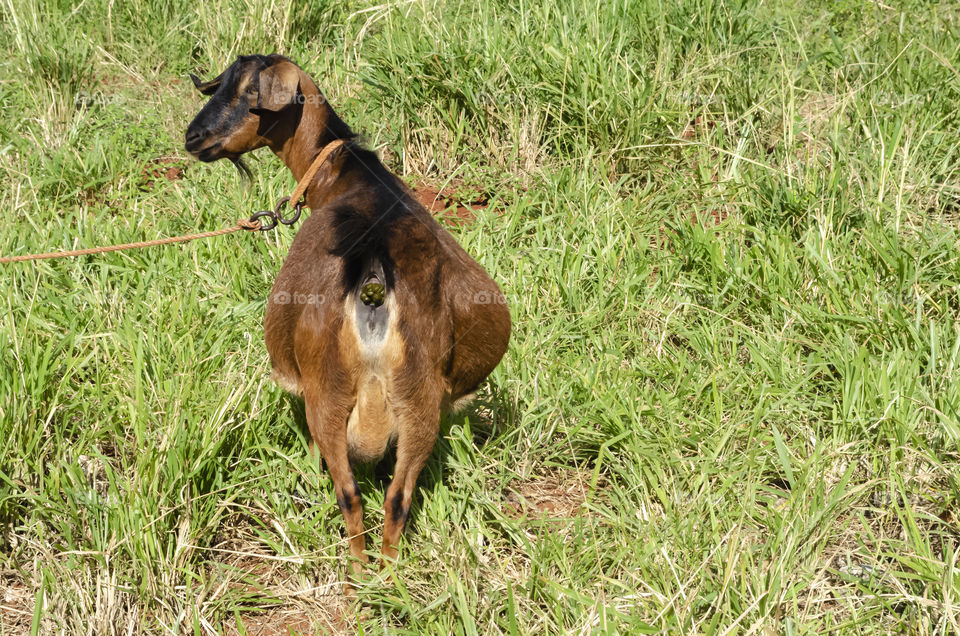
(279, 85)
(207, 88)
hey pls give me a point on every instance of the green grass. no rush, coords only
(728, 234)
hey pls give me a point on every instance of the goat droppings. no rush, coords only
(372, 294)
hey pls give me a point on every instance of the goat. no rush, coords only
(378, 318)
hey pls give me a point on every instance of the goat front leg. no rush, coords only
(418, 423)
(328, 427)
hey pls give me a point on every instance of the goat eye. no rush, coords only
(251, 90)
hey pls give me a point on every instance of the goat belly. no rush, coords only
(375, 357)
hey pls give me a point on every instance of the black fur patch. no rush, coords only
(243, 170)
(363, 236)
(360, 239)
(346, 498)
(398, 512)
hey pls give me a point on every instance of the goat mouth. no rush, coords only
(206, 154)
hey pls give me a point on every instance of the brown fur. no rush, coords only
(446, 326)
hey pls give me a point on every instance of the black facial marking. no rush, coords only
(226, 111)
(232, 112)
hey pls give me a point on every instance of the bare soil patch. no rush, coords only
(16, 605)
(275, 622)
(452, 204)
(559, 494)
(277, 596)
(168, 168)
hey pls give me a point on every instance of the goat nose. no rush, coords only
(195, 135)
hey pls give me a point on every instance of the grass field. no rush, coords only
(728, 235)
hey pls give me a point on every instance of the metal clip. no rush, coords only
(276, 217)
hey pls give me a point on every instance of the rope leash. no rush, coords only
(242, 224)
(252, 224)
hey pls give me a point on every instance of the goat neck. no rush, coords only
(304, 132)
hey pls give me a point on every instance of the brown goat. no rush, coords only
(378, 318)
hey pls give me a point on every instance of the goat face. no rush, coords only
(245, 107)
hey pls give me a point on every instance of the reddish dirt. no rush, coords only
(169, 168)
(715, 217)
(697, 128)
(451, 206)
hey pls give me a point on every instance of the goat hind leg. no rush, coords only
(418, 427)
(328, 427)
